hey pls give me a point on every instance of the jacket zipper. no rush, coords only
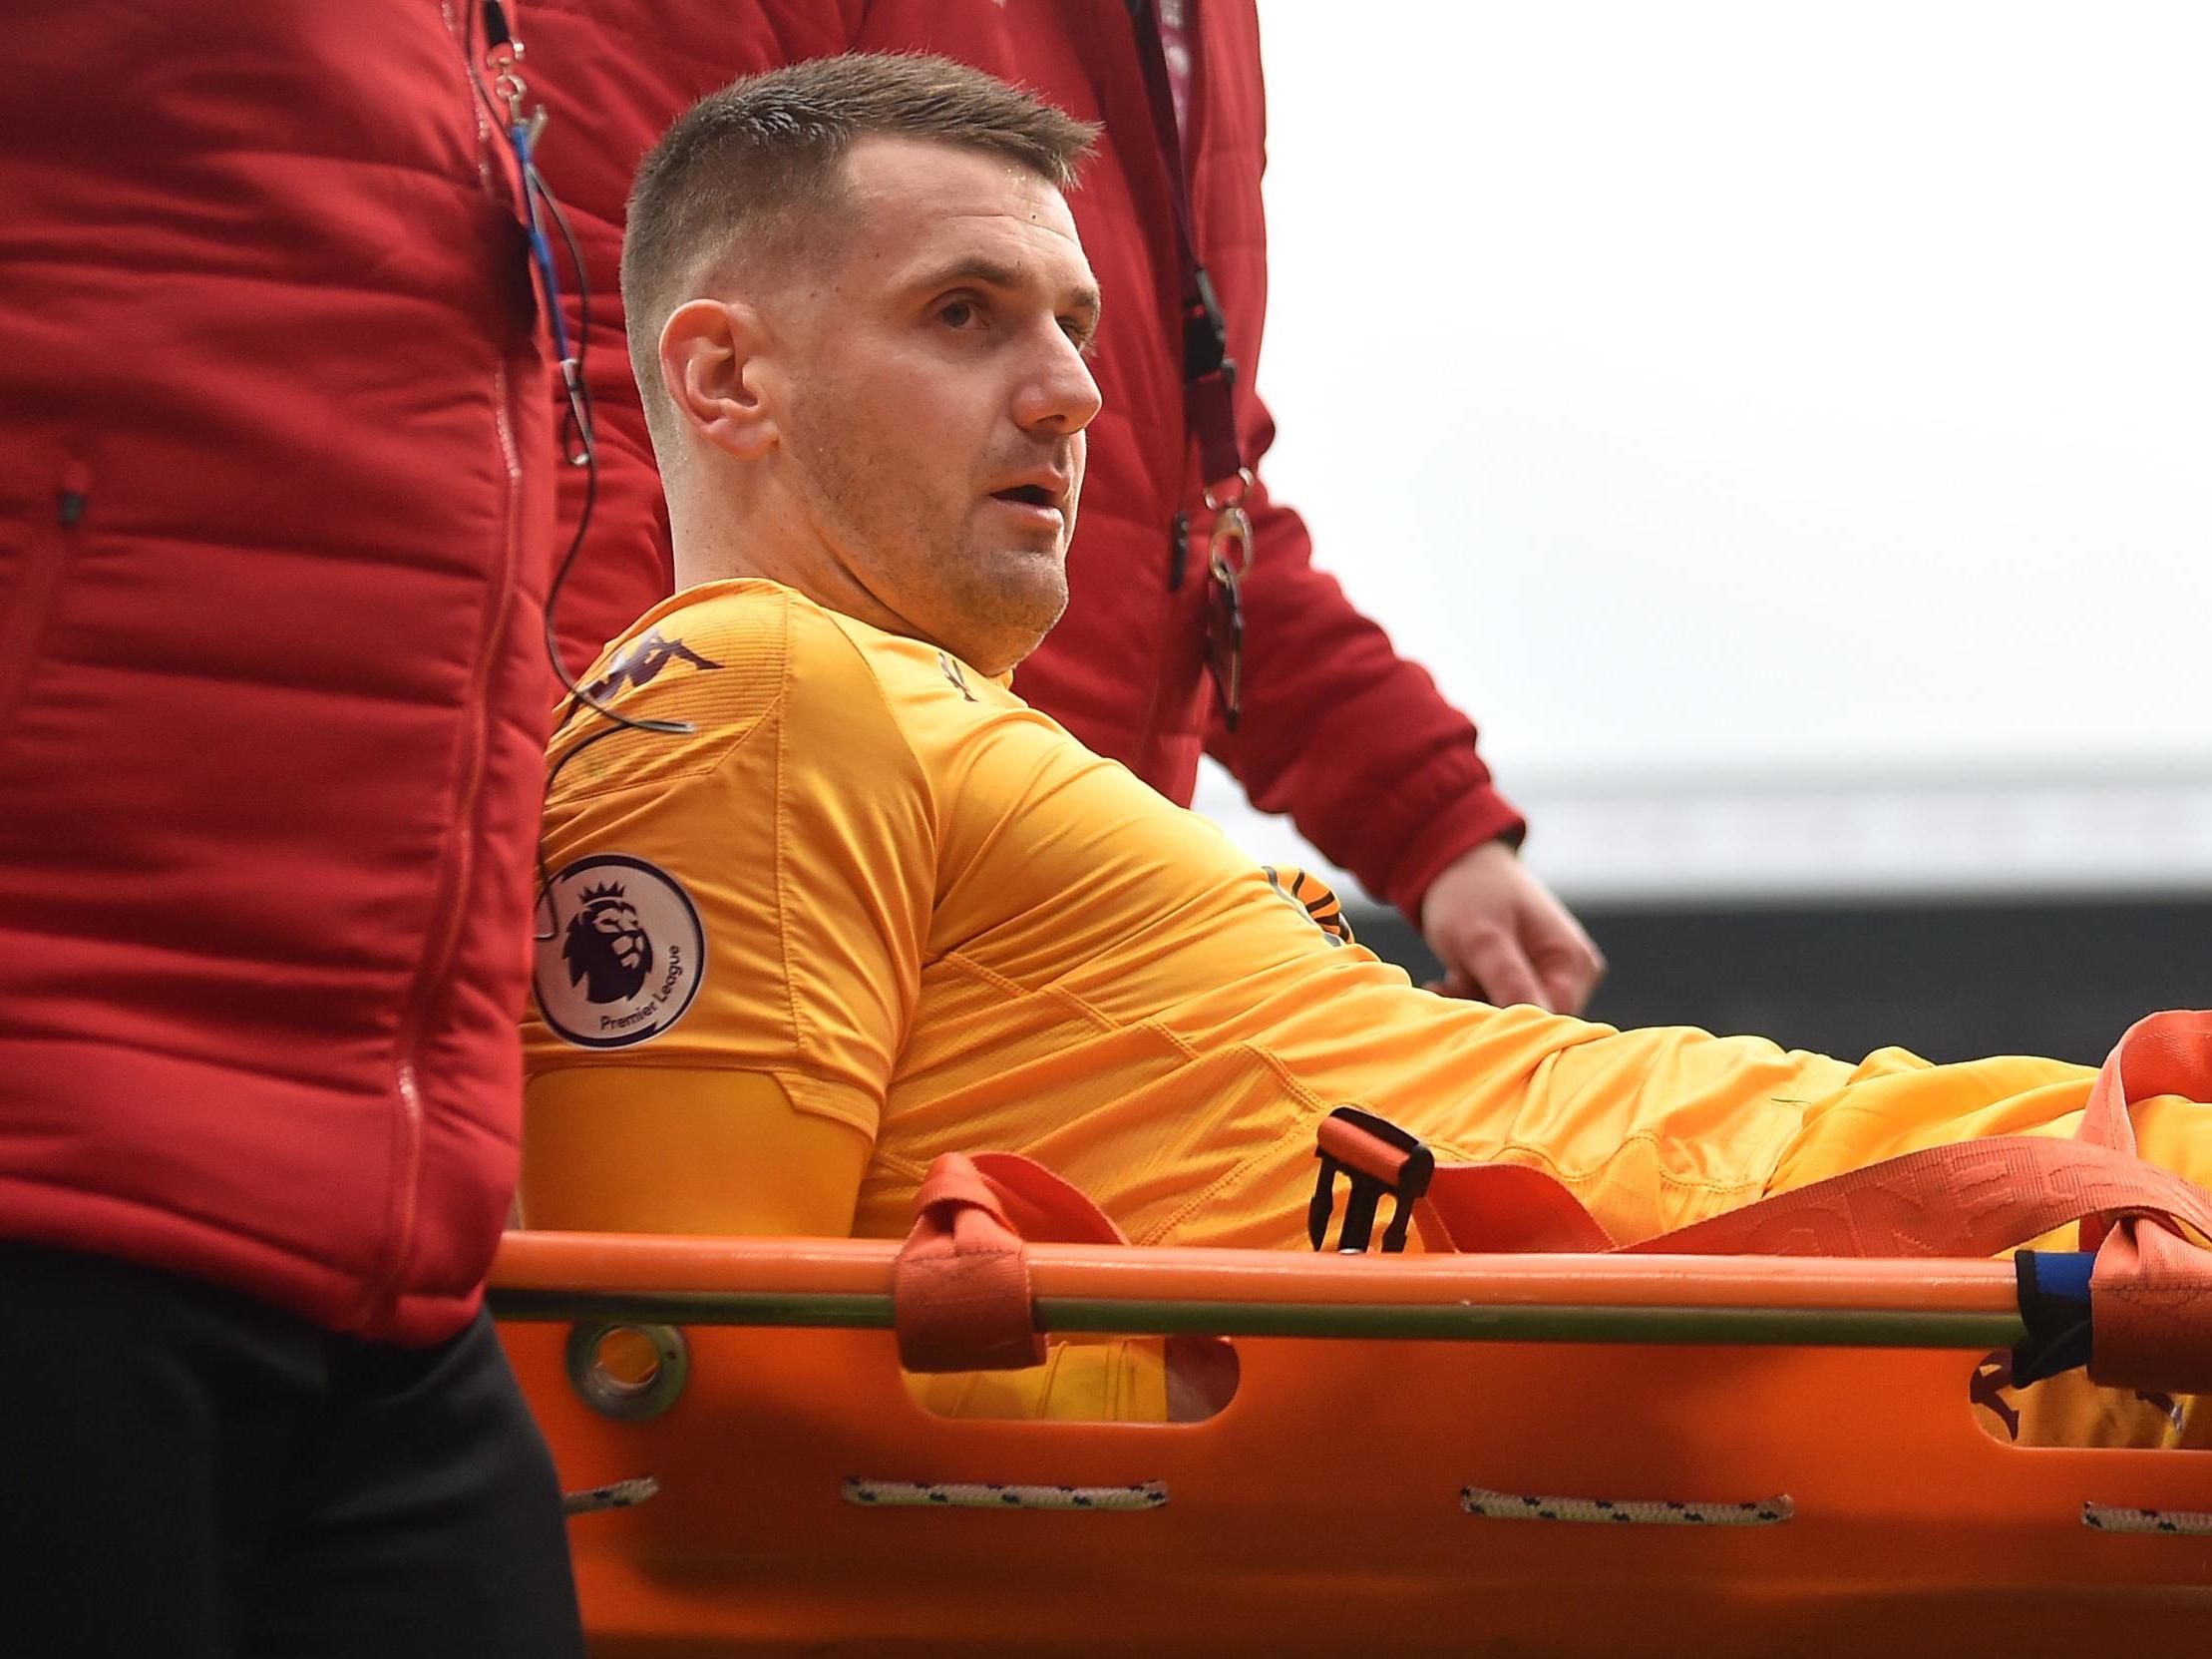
(380, 1294)
(452, 888)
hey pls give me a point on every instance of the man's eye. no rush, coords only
(959, 314)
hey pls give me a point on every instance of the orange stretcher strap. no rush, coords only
(1969, 1200)
(960, 1293)
(2150, 1292)
(2151, 1289)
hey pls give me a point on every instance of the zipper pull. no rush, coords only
(71, 500)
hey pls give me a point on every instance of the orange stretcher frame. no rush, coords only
(1524, 1454)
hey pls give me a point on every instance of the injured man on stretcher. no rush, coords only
(826, 900)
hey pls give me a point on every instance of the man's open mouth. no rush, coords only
(1027, 495)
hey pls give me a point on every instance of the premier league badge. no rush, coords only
(626, 952)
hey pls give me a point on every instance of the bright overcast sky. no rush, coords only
(1718, 395)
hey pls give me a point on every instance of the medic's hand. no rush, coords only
(1503, 938)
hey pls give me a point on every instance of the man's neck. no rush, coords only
(723, 551)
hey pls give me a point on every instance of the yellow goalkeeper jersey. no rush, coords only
(882, 879)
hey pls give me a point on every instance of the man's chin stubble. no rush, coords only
(1020, 608)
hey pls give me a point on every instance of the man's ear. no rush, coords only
(710, 368)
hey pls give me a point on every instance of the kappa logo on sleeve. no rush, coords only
(641, 665)
(626, 955)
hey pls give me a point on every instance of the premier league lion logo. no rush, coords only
(621, 952)
(606, 949)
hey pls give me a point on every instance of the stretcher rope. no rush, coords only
(1497, 1505)
(2117, 1517)
(985, 1495)
(616, 1494)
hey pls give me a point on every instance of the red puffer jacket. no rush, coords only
(1357, 744)
(274, 519)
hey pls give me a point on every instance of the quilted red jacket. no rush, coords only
(274, 521)
(1356, 744)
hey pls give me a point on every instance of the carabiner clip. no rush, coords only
(1228, 549)
(1228, 557)
(1231, 533)
(501, 51)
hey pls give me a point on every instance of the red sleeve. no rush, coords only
(1354, 743)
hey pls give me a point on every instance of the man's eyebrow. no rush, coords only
(1084, 298)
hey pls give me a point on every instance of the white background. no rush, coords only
(1786, 429)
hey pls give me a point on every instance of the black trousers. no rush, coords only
(189, 1473)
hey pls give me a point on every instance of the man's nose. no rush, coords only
(1058, 394)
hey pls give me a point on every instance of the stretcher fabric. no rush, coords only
(934, 917)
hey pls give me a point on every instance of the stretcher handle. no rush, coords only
(1194, 1292)
(788, 1269)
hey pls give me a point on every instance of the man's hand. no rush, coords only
(1503, 938)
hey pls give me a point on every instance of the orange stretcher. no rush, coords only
(1556, 1452)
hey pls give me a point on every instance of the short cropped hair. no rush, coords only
(751, 171)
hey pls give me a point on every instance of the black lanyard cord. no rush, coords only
(1209, 373)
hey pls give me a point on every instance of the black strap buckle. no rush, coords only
(1205, 332)
(1374, 1156)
